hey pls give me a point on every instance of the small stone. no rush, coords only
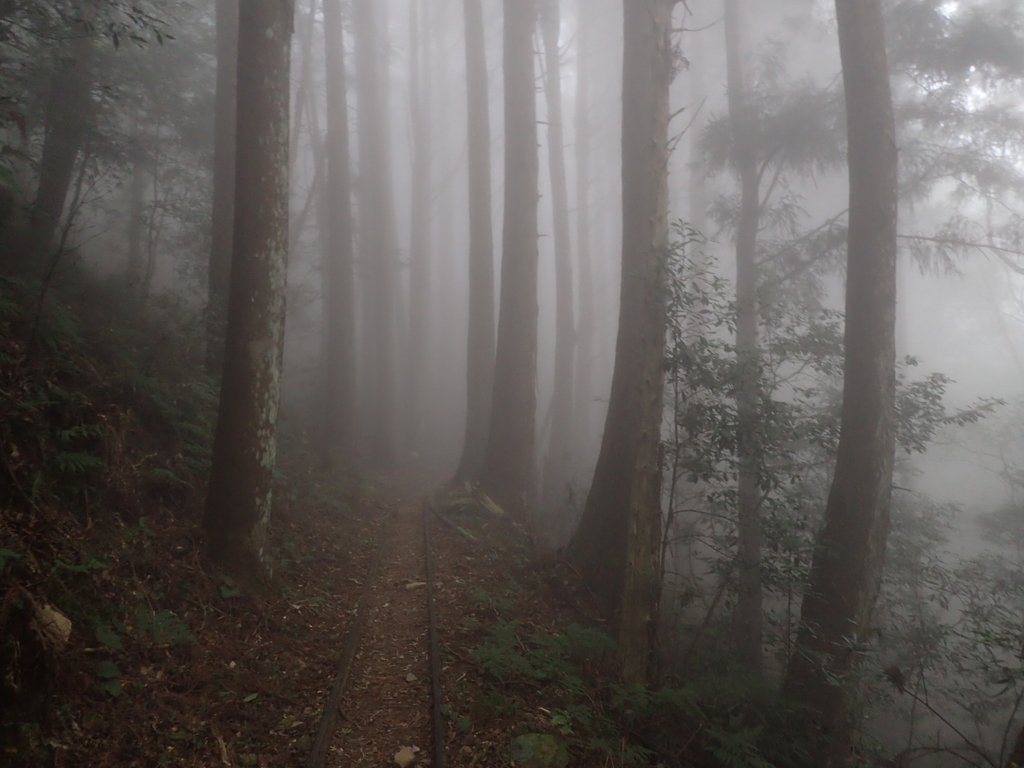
(405, 757)
(52, 626)
(415, 584)
(411, 678)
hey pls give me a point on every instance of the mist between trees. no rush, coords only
(720, 299)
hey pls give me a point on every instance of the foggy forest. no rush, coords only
(534, 383)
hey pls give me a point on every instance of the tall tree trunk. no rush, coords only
(339, 291)
(748, 603)
(648, 58)
(299, 104)
(480, 342)
(378, 250)
(68, 114)
(584, 358)
(556, 466)
(238, 499)
(848, 557)
(508, 466)
(420, 237)
(223, 179)
(617, 544)
(696, 172)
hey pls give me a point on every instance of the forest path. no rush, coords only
(387, 704)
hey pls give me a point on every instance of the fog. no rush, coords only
(137, 212)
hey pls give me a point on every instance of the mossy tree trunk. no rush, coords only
(848, 558)
(509, 460)
(238, 499)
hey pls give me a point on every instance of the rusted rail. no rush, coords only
(329, 717)
(436, 697)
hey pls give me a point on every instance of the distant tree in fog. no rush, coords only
(222, 224)
(847, 564)
(560, 442)
(745, 161)
(339, 290)
(420, 255)
(583, 359)
(480, 342)
(508, 465)
(377, 240)
(238, 498)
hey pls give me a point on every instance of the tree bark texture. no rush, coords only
(848, 557)
(508, 465)
(339, 288)
(238, 497)
(617, 544)
(222, 224)
(557, 464)
(747, 619)
(480, 341)
(378, 248)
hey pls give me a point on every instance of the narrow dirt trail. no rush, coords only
(387, 704)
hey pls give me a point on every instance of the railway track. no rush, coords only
(386, 695)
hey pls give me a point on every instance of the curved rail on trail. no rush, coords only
(436, 716)
(329, 717)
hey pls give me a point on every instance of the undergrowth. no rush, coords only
(106, 422)
(106, 427)
(714, 717)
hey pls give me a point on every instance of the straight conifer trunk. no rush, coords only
(584, 357)
(480, 342)
(508, 466)
(339, 290)
(420, 236)
(848, 558)
(617, 544)
(378, 248)
(747, 619)
(556, 467)
(222, 225)
(238, 498)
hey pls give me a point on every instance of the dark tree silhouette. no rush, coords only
(617, 544)
(508, 466)
(238, 498)
(847, 565)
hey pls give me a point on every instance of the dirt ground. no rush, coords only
(243, 679)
